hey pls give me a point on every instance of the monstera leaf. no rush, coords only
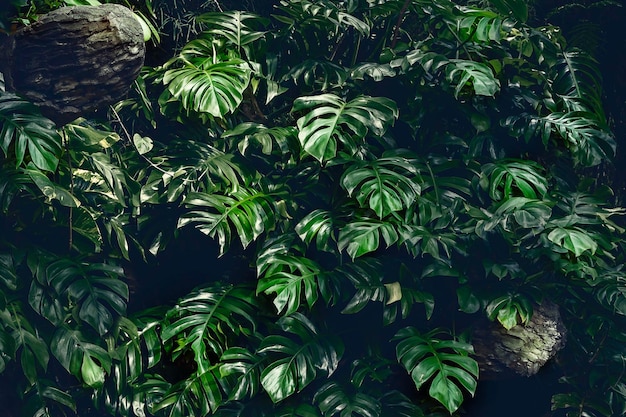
(321, 75)
(23, 128)
(292, 278)
(445, 361)
(329, 120)
(478, 75)
(80, 357)
(386, 185)
(294, 365)
(577, 82)
(591, 144)
(333, 400)
(206, 84)
(206, 318)
(200, 393)
(317, 225)
(96, 290)
(240, 28)
(248, 212)
(505, 179)
(363, 236)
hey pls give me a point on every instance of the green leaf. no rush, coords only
(575, 240)
(386, 185)
(318, 74)
(332, 399)
(247, 368)
(517, 8)
(207, 318)
(445, 361)
(206, 85)
(295, 365)
(199, 394)
(23, 128)
(476, 74)
(329, 120)
(591, 144)
(51, 190)
(91, 372)
(292, 278)
(96, 289)
(240, 28)
(508, 178)
(508, 308)
(142, 143)
(249, 212)
(317, 225)
(363, 236)
(70, 347)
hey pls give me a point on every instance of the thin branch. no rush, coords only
(70, 217)
(396, 29)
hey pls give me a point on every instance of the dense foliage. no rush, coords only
(303, 213)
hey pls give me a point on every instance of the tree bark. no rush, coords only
(74, 60)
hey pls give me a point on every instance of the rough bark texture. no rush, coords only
(75, 59)
(522, 350)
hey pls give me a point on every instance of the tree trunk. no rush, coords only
(74, 60)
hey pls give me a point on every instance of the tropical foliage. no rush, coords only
(303, 213)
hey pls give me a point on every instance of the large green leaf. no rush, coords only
(96, 290)
(80, 357)
(23, 128)
(318, 225)
(575, 240)
(333, 400)
(318, 74)
(205, 320)
(198, 395)
(246, 368)
(478, 75)
(508, 178)
(481, 25)
(206, 84)
(443, 362)
(294, 280)
(582, 132)
(249, 212)
(329, 120)
(386, 185)
(516, 8)
(240, 28)
(294, 365)
(363, 235)
(26, 342)
(577, 82)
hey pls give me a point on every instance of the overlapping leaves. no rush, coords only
(22, 129)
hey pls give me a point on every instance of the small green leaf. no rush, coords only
(142, 143)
